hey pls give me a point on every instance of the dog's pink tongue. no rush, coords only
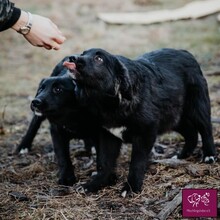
(69, 65)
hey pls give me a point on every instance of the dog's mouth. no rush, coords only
(38, 113)
(41, 113)
(48, 114)
(71, 66)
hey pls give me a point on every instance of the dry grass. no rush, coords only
(23, 66)
(35, 177)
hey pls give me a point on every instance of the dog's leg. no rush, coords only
(190, 134)
(205, 129)
(141, 149)
(201, 117)
(107, 154)
(61, 149)
(89, 143)
(27, 140)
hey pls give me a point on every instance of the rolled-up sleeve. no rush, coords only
(8, 14)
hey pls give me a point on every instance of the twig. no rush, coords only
(212, 72)
(63, 215)
(170, 206)
(172, 162)
(2, 121)
(215, 120)
(192, 10)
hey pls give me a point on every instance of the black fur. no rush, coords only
(158, 92)
(56, 100)
(27, 140)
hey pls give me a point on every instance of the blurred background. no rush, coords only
(22, 66)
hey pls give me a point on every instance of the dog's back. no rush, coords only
(178, 84)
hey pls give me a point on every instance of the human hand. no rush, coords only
(44, 33)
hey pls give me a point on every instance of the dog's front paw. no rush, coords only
(91, 187)
(182, 155)
(67, 181)
(99, 181)
(67, 178)
(21, 150)
(209, 159)
(128, 189)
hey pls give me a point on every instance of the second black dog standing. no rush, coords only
(158, 92)
(56, 101)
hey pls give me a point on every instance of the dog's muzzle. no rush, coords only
(36, 105)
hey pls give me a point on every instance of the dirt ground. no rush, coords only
(34, 175)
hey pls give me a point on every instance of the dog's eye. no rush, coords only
(57, 90)
(98, 59)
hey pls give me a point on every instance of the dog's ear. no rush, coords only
(58, 68)
(123, 83)
(41, 82)
(39, 86)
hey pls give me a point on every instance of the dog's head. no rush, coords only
(98, 70)
(55, 97)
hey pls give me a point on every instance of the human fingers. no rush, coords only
(55, 42)
(59, 39)
(56, 48)
(46, 46)
(51, 46)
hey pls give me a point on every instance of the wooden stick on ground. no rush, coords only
(193, 10)
(171, 162)
(216, 120)
(170, 207)
(212, 72)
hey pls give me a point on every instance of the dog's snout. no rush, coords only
(73, 58)
(37, 103)
(80, 62)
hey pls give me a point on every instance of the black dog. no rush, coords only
(56, 101)
(158, 92)
(26, 142)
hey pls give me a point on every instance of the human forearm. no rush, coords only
(38, 30)
(9, 14)
(43, 33)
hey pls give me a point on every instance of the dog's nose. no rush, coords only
(73, 58)
(78, 60)
(36, 103)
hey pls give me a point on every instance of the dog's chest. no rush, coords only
(113, 118)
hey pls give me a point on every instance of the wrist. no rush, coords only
(22, 21)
